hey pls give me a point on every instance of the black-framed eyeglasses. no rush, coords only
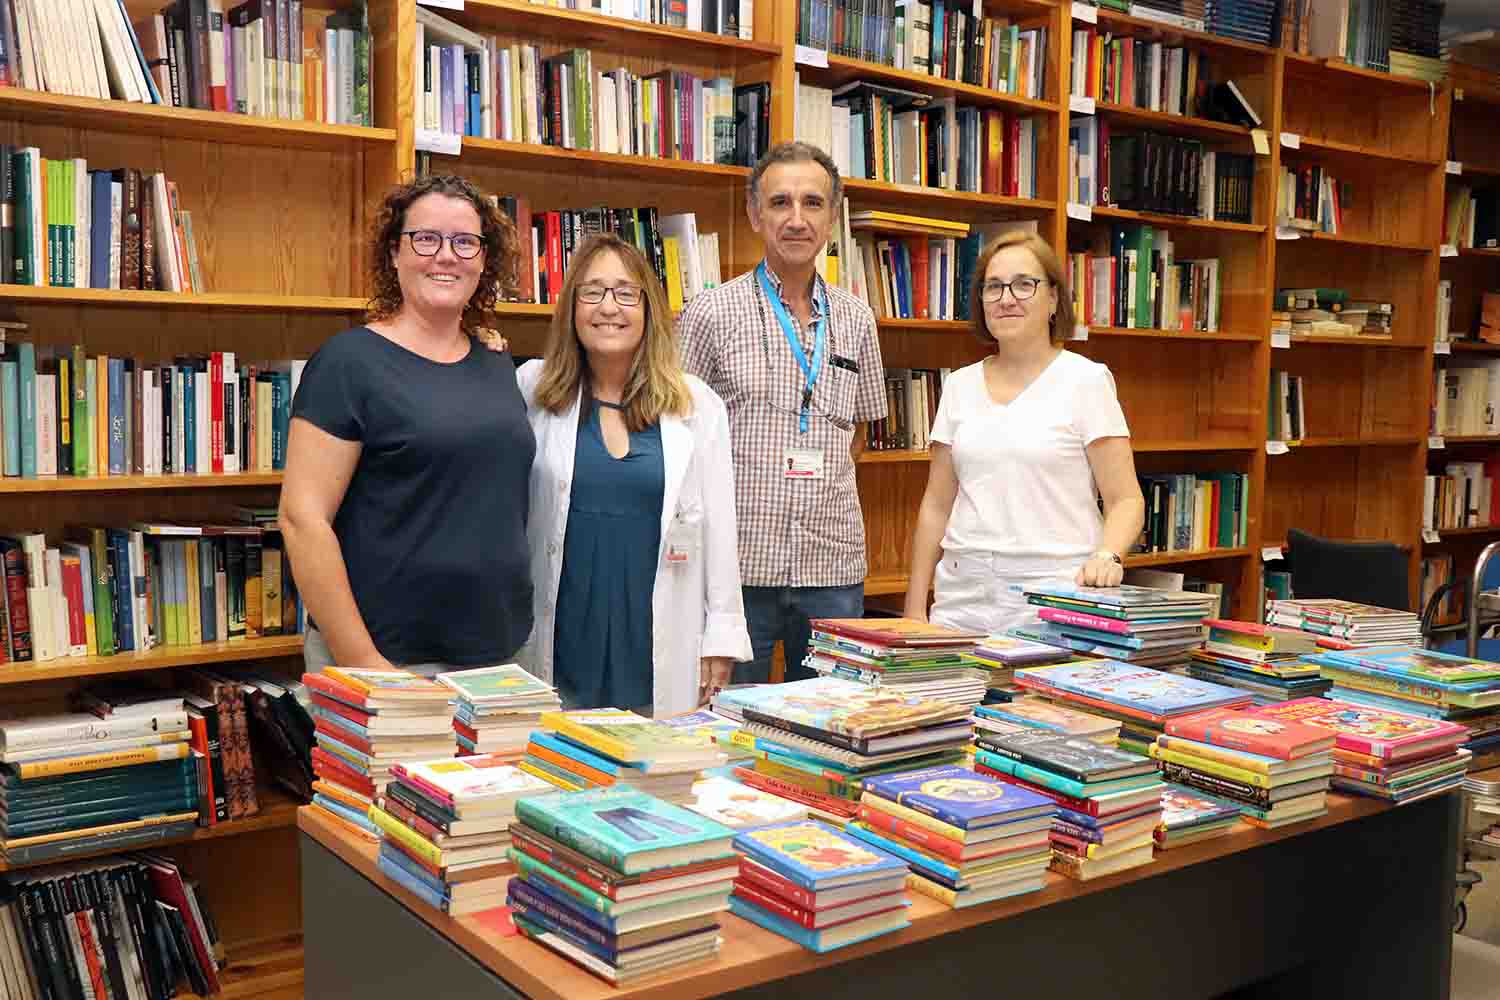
(1021, 288)
(625, 295)
(427, 242)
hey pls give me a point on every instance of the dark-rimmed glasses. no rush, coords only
(1021, 288)
(625, 295)
(427, 243)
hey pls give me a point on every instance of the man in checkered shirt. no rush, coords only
(801, 534)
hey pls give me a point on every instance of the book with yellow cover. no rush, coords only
(630, 738)
(392, 685)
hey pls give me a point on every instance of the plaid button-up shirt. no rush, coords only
(793, 532)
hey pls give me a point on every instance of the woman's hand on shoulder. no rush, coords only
(1099, 572)
(492, 339)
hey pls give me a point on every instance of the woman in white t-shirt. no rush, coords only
(1024, 445)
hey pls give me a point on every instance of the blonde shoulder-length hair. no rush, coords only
(656, 384)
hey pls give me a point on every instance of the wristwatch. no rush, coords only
(1113, 557)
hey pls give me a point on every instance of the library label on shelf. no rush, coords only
(1270, 553)
(808, 55)
(1081, 105)
(1436, 441)
(1262, 141)
(1448, 250)
(1080, 332)
(1442, 347)
(1083, 213)
(1276, 448)
(1430, 536)
(1288, 233)
(1454, 167)
(442, 143)
(1085, 12)
(1291, 140)
(1281, 338)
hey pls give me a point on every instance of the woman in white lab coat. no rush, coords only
(634, 559)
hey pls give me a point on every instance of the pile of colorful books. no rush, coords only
(1266, 661)
(1346, 624)
(1002, 654)
(1188, 816)
(620, 882)
(1141, 699)
(1385, 754)
(740, 807)
(1110, 800)
(814, 741)
(1005, 718)
(600, 747)
(968, 838)
(367, 721)
(817, 886)
(1276, 771)
(74, 783)
(916, 658)
(445, 829)
(497, 708)
(1420, 682)
(1140, 625)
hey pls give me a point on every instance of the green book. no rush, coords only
(83, 459)
(625, 828)
(25, 268)
(91, 415)
(67, 203)
(104, 605)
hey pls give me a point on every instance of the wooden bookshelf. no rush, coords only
(1166, 221)
(842, 70)
(1144, 559)
(112, 484)
(613, 166)
(1185, 125)
(1218, 335)
(176, 301)
(1341, 153)
(1352, 341)
(159, 658)
(585, 29)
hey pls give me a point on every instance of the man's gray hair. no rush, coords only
(795, 152)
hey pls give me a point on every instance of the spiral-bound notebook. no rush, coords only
(845, 758)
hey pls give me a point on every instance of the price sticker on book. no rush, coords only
(1454, 167)
(1083, 213)
(1291, 140)
(1435, 441)
(1276, 448)
(1448, 250)
(1085, 12)
(443, 143)
(1430, 536)
(1080, 332)
(1281, 338)
(808, 55)
(445, 4)
(1261, 140)
(1270, 553)
(1081, 105)
(1442, 347)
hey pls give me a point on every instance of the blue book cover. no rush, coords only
(1424, 666)
(208, 619)
(1130, 687)
(923, 863)
(407, 881)
(10, 413)
(1123, 596)
(558, 743)
(396, 857)
(812, 940)
(1340, 693)
(1058, 783)
(959, 796)
(116, 376)
(100, 185)
(124, 607)
(625, 828)
(1125, 643)
(26, 370)
(814, 855)
(338, 721)
(281, 417)
(189, 419)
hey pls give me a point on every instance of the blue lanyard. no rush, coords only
(810, 369)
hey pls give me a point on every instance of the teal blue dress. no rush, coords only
(602, 646)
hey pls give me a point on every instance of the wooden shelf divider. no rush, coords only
(159, 658)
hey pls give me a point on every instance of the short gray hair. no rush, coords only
(795, 152)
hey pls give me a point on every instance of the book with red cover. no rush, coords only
(1377, 732)
(1283, 739)
(829, 916)
(599, 877)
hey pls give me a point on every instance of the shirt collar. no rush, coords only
(820, 290)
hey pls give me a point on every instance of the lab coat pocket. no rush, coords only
(683, 546)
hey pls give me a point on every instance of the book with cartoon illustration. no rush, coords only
(500, 685)
(1131, 688)
(1283, 739)
(392, 685)
(741, 807)
(1126, 599)
(1422, 664)
(896, 632)
(480, 778)
(959, 796)
(1036, 713)
(625, 828)
(1073, 756)
(630, 738)
(1187, 807)
(838, 706)
(816, 856)
(1364, 729)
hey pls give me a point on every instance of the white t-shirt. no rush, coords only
(1025, 488)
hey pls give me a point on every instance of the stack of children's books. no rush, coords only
(619, 881)
(1002, 654)
(814, 741)
(600, 747)
(1267, 661)
(1110, 799)
(706, 727)
(1276, 771)
(1346, 624)
(497, 708)
(914, 657)
(968, 838)
(1422, 682)
(445, 828)
(740, 807)
(1141, 625)
(1188, 816)
(1141, 699)
(818, 886)
(77, 783)
(1385, 754)
(1031, 712)
(366, 721)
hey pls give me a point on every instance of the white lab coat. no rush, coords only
(697, 609)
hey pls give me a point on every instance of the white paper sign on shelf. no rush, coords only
(1448, 250)
(1291, 140)
(1080, 332)
(1281, 338)
(1262, 141)
(1081, 105)
(433, 141)
(1454, 167)
(1085, 12)
(445, 4)
(1276, 448)
(807, 55)
(1442, 347)
(1435, 441)
(1270, 553)
(1288, 233)
(1083, 213)
(1430, 536)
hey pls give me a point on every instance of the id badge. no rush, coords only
(682, 545)
(803, 463)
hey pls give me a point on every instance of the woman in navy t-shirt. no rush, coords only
(405, 495)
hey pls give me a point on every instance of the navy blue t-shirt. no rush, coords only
(433, 525)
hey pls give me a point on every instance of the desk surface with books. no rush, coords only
(1291, 910)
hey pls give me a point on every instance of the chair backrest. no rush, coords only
(1366, 572)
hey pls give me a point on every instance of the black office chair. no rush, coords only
(1365, 572)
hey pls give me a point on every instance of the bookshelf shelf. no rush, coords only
(941, 326)
(1168, 558)
(38, 108)
(1391, 441)
(942, 200)
(1221, 335)
(842, 70)
(869, 457)
(160, 658)
(258, 970)
(210, 301)
(1475, 347)
(885, 585)
(1477, 169)
(1331, 150)
(1313, 68)
(1175, 221)
(1478, 252)
(1488, 529)
(1472, 439)
(1355, 240)
(1355, 341)
(1145, 27)
(535, 156)
(115, 484)
(1186, 125)
(617, 34)
(1147, 446)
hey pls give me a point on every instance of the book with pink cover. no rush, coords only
(1377, 732)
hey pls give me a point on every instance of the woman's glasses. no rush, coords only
(1022, 288)
(625, 295)
(427, 243)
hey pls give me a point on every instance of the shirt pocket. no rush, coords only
(838, 387)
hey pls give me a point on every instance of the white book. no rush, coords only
(684, 227)
(47, 30)
(120, 63)
(30, 65)
(65, 39)
(232, 415)
(39, 605)
(747, 18)
(608, 138)
(83, 230)
(91, 58)
(486, 92)
(46, 425)
(333, 76)
(218, 69)
(116, 205)
(202, 425)
(168, 264)
(144, 637)
(346, 75)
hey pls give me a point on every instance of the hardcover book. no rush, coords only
(1073, 756)
(471, 780)
(959, 796)
(502, 684)
(1423, 664)
(896, 632)
(1186, 807)
(1363, 729)
(1137, 688)
(625, 828)
(847, 708)
(628, 737)
(1123, 596)
(741, 807)
(393, 685)
(1037, 713)
(1278, 738)
(816, 856)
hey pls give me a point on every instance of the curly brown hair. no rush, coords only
(502, 249)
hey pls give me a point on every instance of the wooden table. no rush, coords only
(1355, 903)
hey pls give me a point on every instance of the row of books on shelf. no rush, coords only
(907, 277)
(949, 40)
(114, 590)
(912, 396)
(1472, 216)
(1149, 172)
(1191, 512)
(1465, 397)
(1286, 411)
(63, 413)
(1385, 35)
(1462, 497)
(1146, 73)
(270, 58)
(1311, 199)
(1131, 278)
(1260, 22)
(66, 226)
(1486, 324)
(1331, 312)
(897, 136)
